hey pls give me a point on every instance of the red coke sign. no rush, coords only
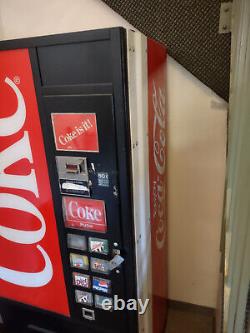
(84, 214)
(75, 132)
(30, 261)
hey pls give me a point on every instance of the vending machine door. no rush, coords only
(67, 232)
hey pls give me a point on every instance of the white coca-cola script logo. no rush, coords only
(159, 149)
(85, 213)
(21, 149)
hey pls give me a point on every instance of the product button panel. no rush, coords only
(84, 261)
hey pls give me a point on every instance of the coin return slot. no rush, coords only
(88, 314)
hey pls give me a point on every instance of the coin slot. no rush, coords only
(72, 168)
(76, 166)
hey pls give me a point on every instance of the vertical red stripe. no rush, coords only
(157, 168)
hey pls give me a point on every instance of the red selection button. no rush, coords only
(84, 214)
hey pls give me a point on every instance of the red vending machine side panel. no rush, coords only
(31, 268)
(157, 56)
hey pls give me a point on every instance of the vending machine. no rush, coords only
(82, 183)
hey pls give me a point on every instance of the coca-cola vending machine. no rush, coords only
(82, 183)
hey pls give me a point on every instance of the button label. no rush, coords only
(81, 280)
(98, 245)
(77, 242)
(102, 285)
(84, 297)
(100, 266)
(79, 261)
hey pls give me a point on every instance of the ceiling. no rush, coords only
(189, 29)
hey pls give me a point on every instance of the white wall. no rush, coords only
(25, 18)
(196, 146)
(196, 173)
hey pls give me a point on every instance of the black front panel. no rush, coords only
(98, 164)
(81, 92)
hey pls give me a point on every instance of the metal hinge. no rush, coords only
(225, 17)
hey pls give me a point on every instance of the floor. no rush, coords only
(188, 321)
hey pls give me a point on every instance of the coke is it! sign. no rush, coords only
(75, 132)
(30, 260)
(84, 214)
